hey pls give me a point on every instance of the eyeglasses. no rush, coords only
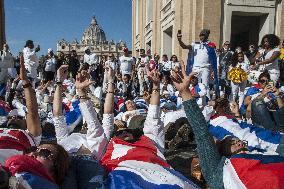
(45, 153)
(263, 81)
(16, 117)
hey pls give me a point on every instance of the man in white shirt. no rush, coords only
(126, 63)
(50, 65)
(201, 58)
(143, 61)
(92, 60)
(31, 60)
(111, 62)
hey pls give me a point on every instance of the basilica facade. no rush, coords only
(93, 37)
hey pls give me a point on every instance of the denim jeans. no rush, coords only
(84, 173)
(272, 120)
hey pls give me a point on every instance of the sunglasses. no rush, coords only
(45, 153)
(227, 44)
(263, 81)
(236, 141)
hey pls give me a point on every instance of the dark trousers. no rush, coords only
(272, 120)
(84, 173)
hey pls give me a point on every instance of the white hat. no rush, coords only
(49, 50)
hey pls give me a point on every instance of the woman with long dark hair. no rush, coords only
(267, 57)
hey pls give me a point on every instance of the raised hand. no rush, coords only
(109, 74)
(83, 81)
(62, 73)
(154, 76)
(179, 35)
(180, 79)
(37, 48)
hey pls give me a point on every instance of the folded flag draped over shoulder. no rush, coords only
(31, 170)
(243, 170)
(258, 138)
(140, 165)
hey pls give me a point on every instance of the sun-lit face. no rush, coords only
(130, 105)
(240, 57)
(266, 43)
(236, 145)
(263, 82)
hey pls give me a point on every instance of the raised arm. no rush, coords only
(181, 43)
(96, 138)
(153, 127)
(108, 117)
(210, 159)
(59, 120)
(33, 122)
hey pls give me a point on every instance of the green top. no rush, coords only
(210, 160)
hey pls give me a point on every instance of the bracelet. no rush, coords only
(110, 83)
(156, 90)
(27, 85)
(110, 92)
(83, 97)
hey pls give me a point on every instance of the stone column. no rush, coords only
(2, 26)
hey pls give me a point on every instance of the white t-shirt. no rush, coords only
(271, 66)
(200, 53)
(126, 64)
(111, 64)
(50, 65)
(31, 62)
(144, 61)
(169, 65)
(90, 59)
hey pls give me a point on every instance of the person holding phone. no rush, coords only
(201, 58)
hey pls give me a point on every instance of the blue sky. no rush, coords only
(47, 21)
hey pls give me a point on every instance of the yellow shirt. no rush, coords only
(282, 54)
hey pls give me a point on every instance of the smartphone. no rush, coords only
(179, 31)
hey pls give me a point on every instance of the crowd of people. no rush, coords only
(215, 120)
